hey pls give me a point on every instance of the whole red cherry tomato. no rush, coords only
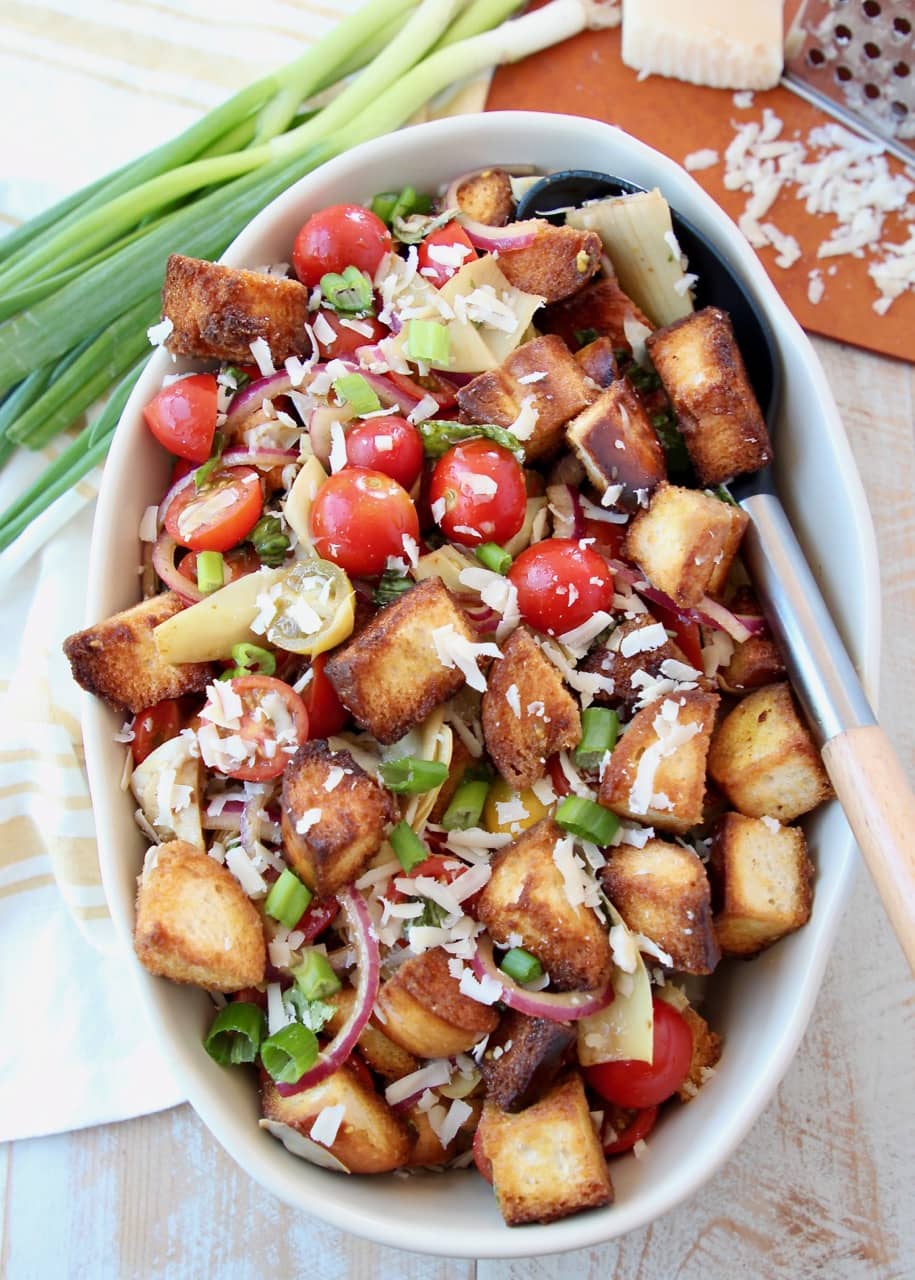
(154, 726)
(361, 517)
(390, 445)
(478, 493)
(343, 235)
(326, 713)
(182, 417)
(561, 584)
(646, 1084)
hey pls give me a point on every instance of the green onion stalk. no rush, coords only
(79, 283)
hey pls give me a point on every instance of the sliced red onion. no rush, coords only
(712, 614)
(332, 1057)
(163, 558)
(753, 623)
(516, 235)
(251, 397)
(484, 620)
(708, 612)
(264, 458)
(565, 1006)
(249, 826)
(319, 425)
(172, 493)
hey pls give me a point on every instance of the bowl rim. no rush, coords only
(584, 1230)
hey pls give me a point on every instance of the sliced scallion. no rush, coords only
(349, 292)
(413, 776)
(492, 556)
(315, 977)
(600, 727)
(520, 965)
(236, 1033)
(211, 571)
(587, 820)
(429, 341)
(466, 807)
(353, 390)
(288, 899)
(408, 847)
(251, 659)
(289, 1053)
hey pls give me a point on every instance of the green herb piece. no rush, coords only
(269, 541)
(411, 776)
(408, 847)
(288, 899)
(354, 390)
(314, 1014)
(600, 727)
(432, 916)
(723, 494)
(235, 1034)
(521, 966)
(289, 1053)
(584, 336)
(587, 820)
(206, 469)
(391, 586)
(439, 436)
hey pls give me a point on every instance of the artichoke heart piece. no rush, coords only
(624, 1031)
(167, 788)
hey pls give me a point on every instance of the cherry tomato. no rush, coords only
(268, 751)
(326, 713)
(478, 493)
(480, 1159)
(343, 235)
(561, 784)
(645, 1084)
(607, 538)
(345, 340)
(439, 253)
(361, 517)
(636, 1126)
(218, 516)
(390, 445)
(183, 416)
(319, 913)
(235, 565)
(441, 389)
(154, 726)
(685, 631)
(561, 584)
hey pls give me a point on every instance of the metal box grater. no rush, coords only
(856, 60)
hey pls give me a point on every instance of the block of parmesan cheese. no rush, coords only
(726, 44)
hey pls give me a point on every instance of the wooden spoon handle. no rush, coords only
(880, 807)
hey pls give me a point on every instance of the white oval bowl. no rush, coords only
(762, 1008)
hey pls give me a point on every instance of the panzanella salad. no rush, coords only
(458, 736)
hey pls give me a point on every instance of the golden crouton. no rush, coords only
(761, 877)
(616, 443)
(390, 676)
(754, 662)
(195, 923)
(600, 308)
(703, 373)
(498, 395)
(218, 311)
(706, 1053)
(685, 542)
(598, 361)
(487, 197)
(423, 1009)
(526, 895)
(623, 662)
(118, 660)
(523, 1057)
(546, 1161)
(558, 262)
(662, 891)
(528, 714)
(764, 760)
(329, 836)
(370, 1139)
(386, 1058)
(668, 792)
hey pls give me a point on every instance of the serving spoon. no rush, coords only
(862, 765)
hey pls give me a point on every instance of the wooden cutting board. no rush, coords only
(586, 76)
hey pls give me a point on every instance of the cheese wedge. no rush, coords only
(719, 43)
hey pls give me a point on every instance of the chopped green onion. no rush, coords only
(356, 391)
(391, 586)
(415, 228)
(584, 336)
(289, 1053)
(439, 436)
(203, 472)
(269, 540)
(587, 820)
(383, 205)
(521, 965)
(600, 727)
(407, 845)
(288, 899)
(413, 776)
(237, 375)
(466, 807)
(251, 659)
(235, 1034)
(429, 341)
(349, 292)
(431, 917)
(388, 205)
(314, 977)
(492, 556)
(210, 571)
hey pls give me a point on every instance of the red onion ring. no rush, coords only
(566, 1006)
(708, 612)
(517, 235)
(251, 397)
(335, 1054)
(163, 559)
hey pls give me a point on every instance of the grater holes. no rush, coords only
(899, 110)
(842, 34)
(871, 50)
(843, 73)
(900, 70)
(871, 9)
(872, 92)
(816, 57)
(902, 27)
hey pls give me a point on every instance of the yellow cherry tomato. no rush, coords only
(496, 819)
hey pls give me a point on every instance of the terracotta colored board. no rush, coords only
(585, 76)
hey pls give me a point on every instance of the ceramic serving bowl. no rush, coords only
(760, 1008)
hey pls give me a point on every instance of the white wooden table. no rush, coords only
(825, 1183)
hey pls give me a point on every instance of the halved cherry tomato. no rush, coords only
(390, 445)
(480, 1159)
(440, 255)
(235, 565)
(637, 1127)
(319, 913)
(478, 493)
(340, 236)
(345, 340)
(561, 584)
(218, 516)
(685, 631)
(608, 538)
(561, 784)
(361, 517)
(268, 750)
(183, 416)
(441, 389)
(646, 1084)
(326, 713)
(154, 726)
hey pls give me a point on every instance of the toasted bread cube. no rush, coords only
(762, 877)
(386, 1058)
(523, 1056)
(631, 662)
(706, 1053)
(195, 923)
(497, 396)
(546, 1161)
(389, 677)
(668, 789)
(118, 660)
(598, 361)
(217, 311)
(526, 895)
(528, 714)
(329, 836)
(703, 373)
(423, 1009)
(370, 1139)
(765, 761)
(685, 542)
(558, 262)
(487, 197)
(601, 307)
(616, 443)
(756, 661)
(662, 891)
